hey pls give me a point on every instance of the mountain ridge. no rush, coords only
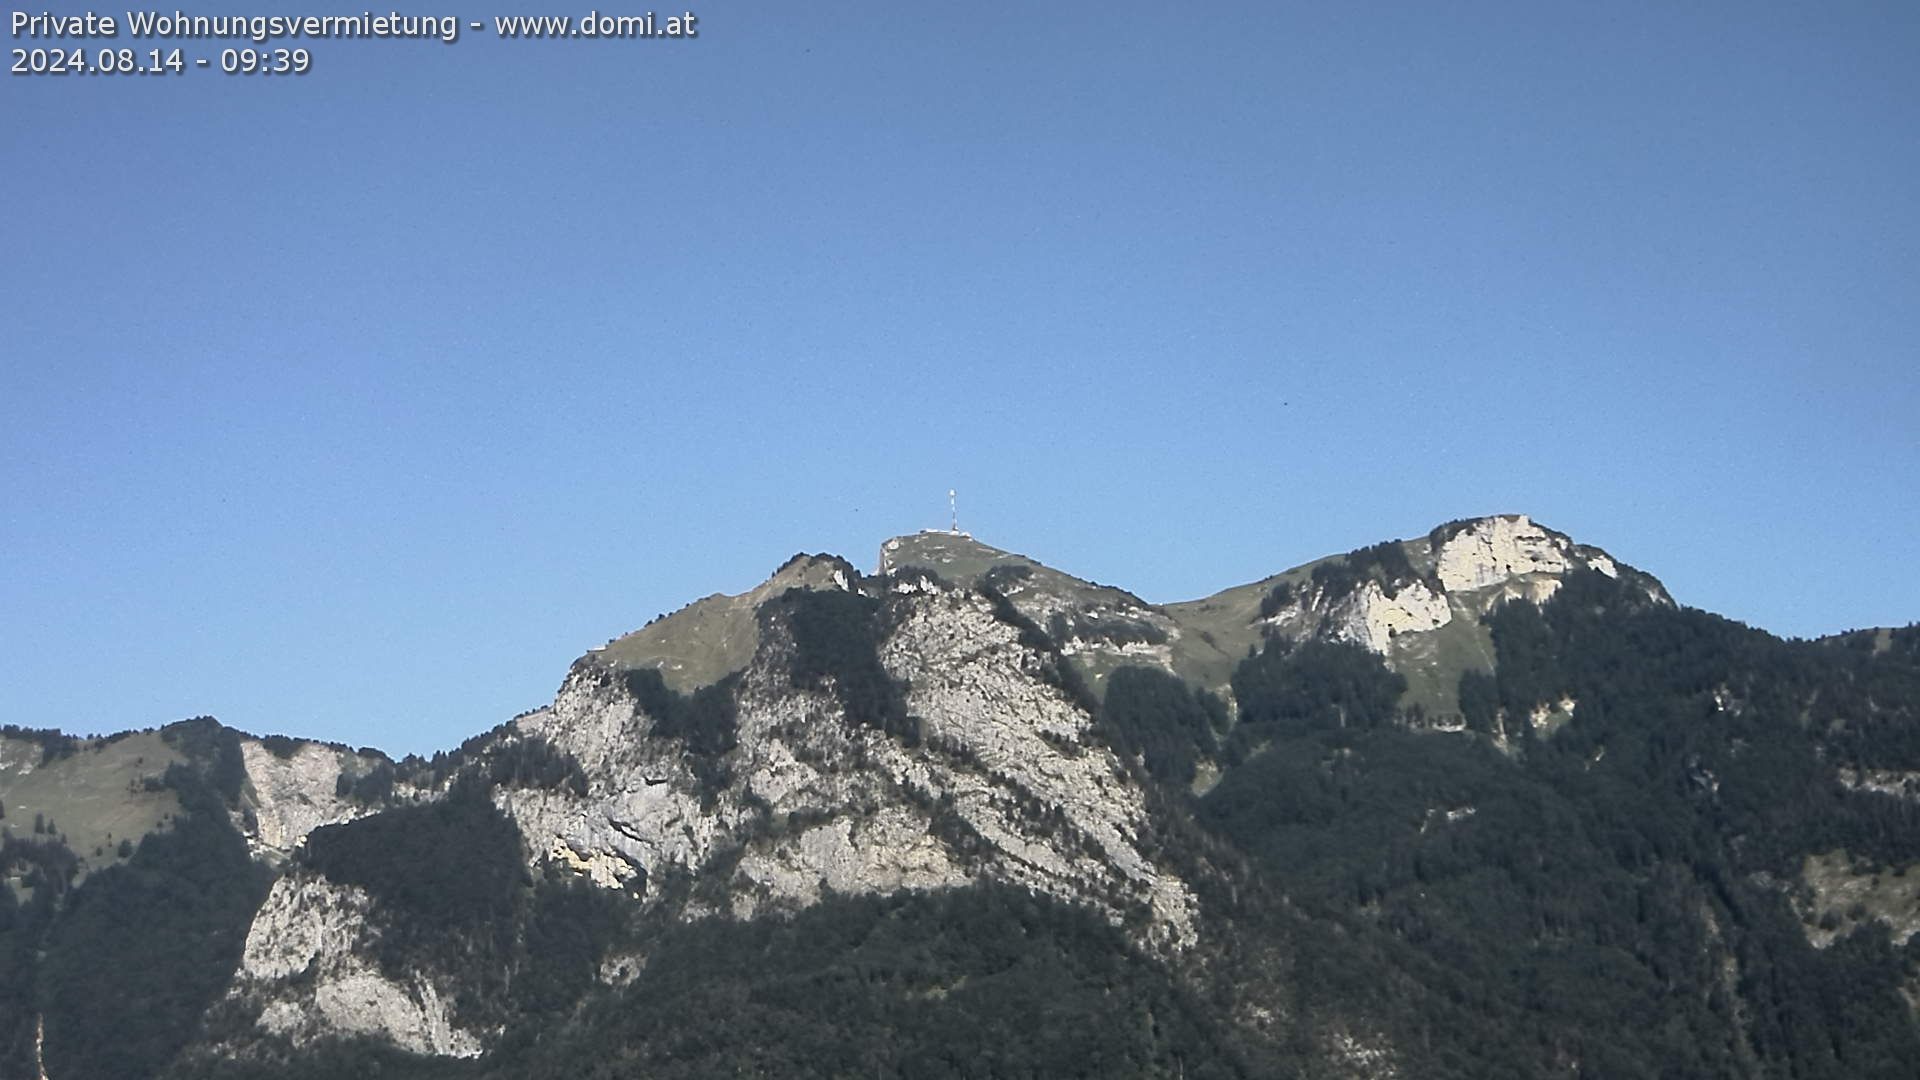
(1104, 627)
(1447, 758)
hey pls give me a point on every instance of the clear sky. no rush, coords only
(356, 405)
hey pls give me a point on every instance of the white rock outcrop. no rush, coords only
(307, 964)
(292, 796)
(1028, 747)
(1477, 566)
(1369, 617)
(1492, 550)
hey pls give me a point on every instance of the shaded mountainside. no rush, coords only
(1486, 803)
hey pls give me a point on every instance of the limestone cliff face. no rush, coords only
(1460, 571)
(1004, 783)
(1022, 748)
(308, 969)
(1099, 626)
(1493, 550)
(293, 795)
(1369, 617)
(1506, 556)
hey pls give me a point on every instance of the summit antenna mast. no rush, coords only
(953, 507)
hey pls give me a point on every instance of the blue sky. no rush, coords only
(357, 405)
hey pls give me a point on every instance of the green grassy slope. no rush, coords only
(714, 637)
(95, 798)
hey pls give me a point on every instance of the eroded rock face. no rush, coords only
(1025, 742)
(1100, 626)
(1493, 550)
(644, 810)
(1464, 571)
(1004, 783)
(1371, 618)
(292, 796)
(1510, 557)
(1366, 616)
(308, 967)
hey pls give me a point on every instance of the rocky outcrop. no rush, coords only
(292, 796)
(1463, 570)
(1369, 617)
(1510, 556)
(308, 969)
(1029, 758)
(1099, 626)
(1490, 551)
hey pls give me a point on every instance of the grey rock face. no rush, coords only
(307, 969)
(1005, 783)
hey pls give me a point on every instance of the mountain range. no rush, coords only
(1483, 803)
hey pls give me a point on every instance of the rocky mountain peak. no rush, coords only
(955, 556)
(1416, 603)
(1479, 553)
(1100, 627)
